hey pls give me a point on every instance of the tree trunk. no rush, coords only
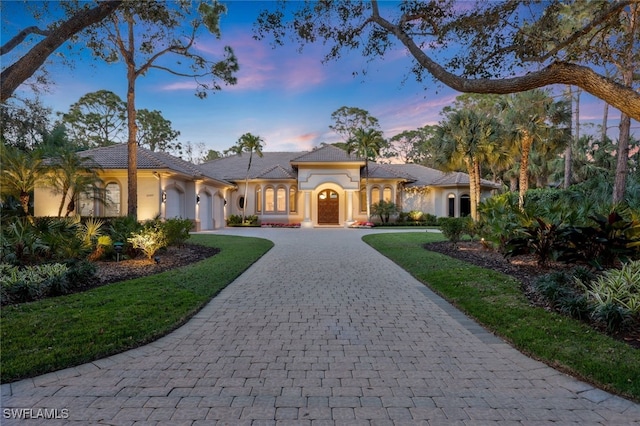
(246, 188)
(23, 68)
(132, 141)
(622, 165)
(523, 180)
(605, 118)
(366, 185)
(24, 202)
(472, 170)
(65, 191)
(568, 152)
(513, 184)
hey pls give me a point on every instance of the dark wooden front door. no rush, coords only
(328, 207)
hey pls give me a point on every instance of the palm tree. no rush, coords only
(532, 117)
(72, 175)
(366, 144)
(21, 172)
(468, 139)
(247, 143)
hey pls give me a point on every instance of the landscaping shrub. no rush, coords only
(609, 240)
(80, 272)
(177, 230)
(149, 239)
(576, 306)
(555, 287)
(618, 286)
(542, 239)
(24, 284)
(236, 220)
(20, 243)
(500, 218)
(453, 228)
(61, 236)
(384, 210)
(613, 316)
(104, 248)
(120, 229)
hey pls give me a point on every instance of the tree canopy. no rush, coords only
(488, 47)
(15, 74)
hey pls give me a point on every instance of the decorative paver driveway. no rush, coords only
(321, 330)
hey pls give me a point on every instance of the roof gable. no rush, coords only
(327, 154)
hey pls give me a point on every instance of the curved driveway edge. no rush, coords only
(321, 330)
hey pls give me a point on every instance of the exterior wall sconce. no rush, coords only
(197, 199)
(164, 197)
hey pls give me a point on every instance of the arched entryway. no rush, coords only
(328, 207)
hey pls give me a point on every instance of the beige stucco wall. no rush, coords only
(150, 205)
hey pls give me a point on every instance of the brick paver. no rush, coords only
(321, 330)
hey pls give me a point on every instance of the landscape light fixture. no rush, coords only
(117, 246)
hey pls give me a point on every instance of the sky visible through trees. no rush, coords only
(285, 96)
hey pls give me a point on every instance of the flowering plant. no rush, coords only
(362, 225)
(280, 225)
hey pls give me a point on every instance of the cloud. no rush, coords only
(262, 68)
(411, 113)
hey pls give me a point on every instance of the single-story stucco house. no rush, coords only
(322, 187)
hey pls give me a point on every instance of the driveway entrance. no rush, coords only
(328, 208)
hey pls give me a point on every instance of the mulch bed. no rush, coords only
(170, 258)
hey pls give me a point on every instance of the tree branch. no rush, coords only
(614, 9)
(19, 38)
(24, 68)
(173, 48)
(174, 72)
(623, 98)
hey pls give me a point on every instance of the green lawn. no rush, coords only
(496, 302)
(61, 332)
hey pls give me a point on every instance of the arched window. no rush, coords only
(269, 200)
(452, 205)
(112, 199)
(386, 194)
(375, 195)
(258, 199)
(281, 199)
(85, 203)
(363, 199)
(465, 205)
(292, 199)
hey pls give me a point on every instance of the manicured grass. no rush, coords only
(61, 332)
(496, 302)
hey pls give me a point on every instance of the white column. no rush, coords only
(349, 208)
(306, 223)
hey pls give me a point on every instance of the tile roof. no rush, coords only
(327, 154)
(234, 168)
(425, 176)
(276, 172)
(116, 157)
(273, 165)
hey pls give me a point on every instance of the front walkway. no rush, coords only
(321, 330)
